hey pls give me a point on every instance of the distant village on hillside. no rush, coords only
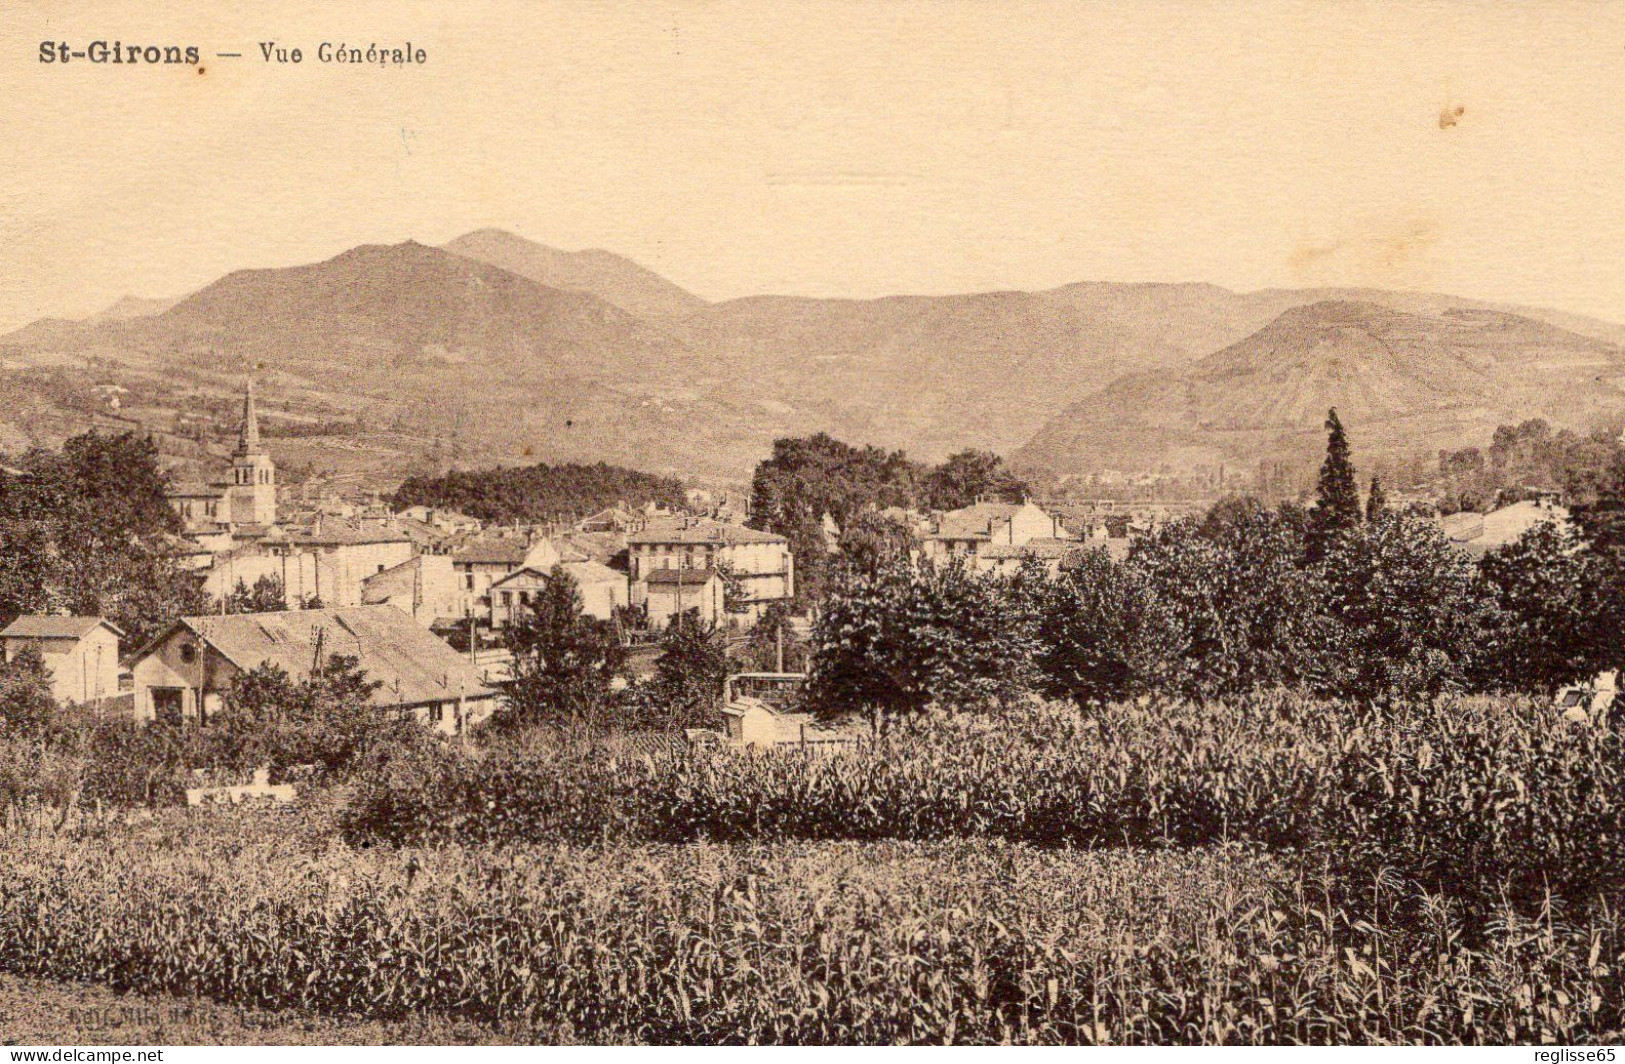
(424, 594)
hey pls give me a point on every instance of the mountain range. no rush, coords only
(512, 350)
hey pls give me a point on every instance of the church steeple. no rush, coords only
(253, 474)
(248, 435)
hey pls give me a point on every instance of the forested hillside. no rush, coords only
(538, 493)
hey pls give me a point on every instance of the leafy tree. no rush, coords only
(1248, 612)
(968, 476)
(327, 719)
(266, 596)
(870, 539)
(564, 663)
(1411, 606)
(538, 493)
(690, 672)
(27, 708)
(39, 747)
(735, 597)
(1103, 635)
(772, 633)
(1601, 519)
(900, 638)
(806, 478)
(85, 532)
(1560, 618)
(1530, 457)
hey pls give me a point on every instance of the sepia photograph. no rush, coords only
(669, 523)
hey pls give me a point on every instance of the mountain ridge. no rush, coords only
(443, 344)
(1402, 381)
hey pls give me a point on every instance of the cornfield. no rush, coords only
(1272, 870)
(801, 943)
(1474, 798)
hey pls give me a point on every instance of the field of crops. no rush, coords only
(1267, 871)
(1475, 798)
(795, 942)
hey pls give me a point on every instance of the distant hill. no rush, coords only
(1401, 381)
(604, 274)
(496, 348)
(405, 307)
(134, 307)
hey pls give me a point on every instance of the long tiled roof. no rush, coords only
(492, 552)
(38, 626)
(1038, 547)
(387, 583)
(339, 532)
(699, 530)
(975, 522)
(411, 663)
(583, 572)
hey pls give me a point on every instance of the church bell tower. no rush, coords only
(253, 474)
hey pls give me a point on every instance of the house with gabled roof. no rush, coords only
(666, 594)
(603, 590)
(757, 564)
(183, 674)
(995, 536)
(81, 653)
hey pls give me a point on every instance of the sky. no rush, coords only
(834, 149)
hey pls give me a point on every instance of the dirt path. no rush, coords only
(49, 1013)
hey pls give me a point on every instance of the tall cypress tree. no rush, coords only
(1376, 500)
(1337, 506)
(1338, 497)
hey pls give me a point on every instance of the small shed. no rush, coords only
(669, 593)
(80, 652)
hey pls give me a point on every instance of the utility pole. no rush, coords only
(778, 641)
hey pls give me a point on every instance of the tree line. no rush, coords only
(1344, 598)
(539, 492)
(807, 478)
(1530, 456)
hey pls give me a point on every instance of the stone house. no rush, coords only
(602, 589)
(424, 587)
(668, 592)
(329, 562)
(481, 562)
(759, 564)
(995, 536)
